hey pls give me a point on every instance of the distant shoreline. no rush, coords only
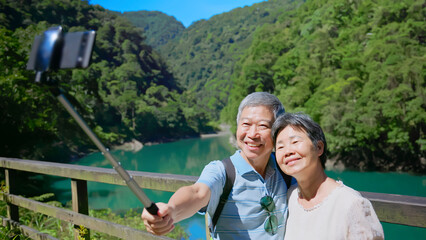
(136, 145)
(224, 130)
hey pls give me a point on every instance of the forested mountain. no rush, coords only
(127, 92)
(357, 67)
(202, 57)
(159, 28)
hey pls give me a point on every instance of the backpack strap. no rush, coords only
(229, 183)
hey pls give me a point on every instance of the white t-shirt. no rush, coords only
(344, 214)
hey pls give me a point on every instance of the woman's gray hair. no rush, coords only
(302, 122)
(261, 99)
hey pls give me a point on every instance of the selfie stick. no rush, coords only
(51, 42)
(118, 168)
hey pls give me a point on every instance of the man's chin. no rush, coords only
(252, 155)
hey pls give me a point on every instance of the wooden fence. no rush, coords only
(398, 209)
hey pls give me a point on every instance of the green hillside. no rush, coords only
(159, 28)
(202, 58)
(126, 93)
(357, 67)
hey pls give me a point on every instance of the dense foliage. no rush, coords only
(159, 28)
(127, 92)
(357, 67)
(202, 57)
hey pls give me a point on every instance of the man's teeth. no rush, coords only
(252, 145)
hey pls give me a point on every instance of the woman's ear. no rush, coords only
(320, 148)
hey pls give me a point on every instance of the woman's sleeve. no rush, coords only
(363, 221)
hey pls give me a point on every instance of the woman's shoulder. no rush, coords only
(362, 219)
(351, 196)
(348, 190)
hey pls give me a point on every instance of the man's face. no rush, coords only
(254, 133)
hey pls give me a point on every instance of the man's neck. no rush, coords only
(259, 164)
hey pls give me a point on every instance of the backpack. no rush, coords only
(229, 183)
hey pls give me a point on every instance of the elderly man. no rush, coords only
(256, 207)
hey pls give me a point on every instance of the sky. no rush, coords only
(185, 11)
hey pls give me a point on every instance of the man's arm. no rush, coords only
(184, 203)
(188, 200)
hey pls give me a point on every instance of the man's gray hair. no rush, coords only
(262, 99)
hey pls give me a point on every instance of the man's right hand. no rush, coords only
(158, 224)
(184, 203)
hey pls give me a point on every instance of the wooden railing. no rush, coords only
(398, 209)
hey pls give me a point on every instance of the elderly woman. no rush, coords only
(319, 207)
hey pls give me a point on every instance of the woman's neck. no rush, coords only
(310, 185)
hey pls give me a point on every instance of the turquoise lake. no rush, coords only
(189, 156)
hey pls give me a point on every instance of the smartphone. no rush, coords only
(52, 50)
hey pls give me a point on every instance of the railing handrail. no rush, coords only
(92, 223)
(149, 180)
(392, 208)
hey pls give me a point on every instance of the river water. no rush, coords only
(189, 156)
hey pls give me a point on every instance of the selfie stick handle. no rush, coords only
(150, 206)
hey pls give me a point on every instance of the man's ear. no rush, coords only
(320, 148)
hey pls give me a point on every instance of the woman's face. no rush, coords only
(296, 153)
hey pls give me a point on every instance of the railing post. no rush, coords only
(11, 188)
(80, 204)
